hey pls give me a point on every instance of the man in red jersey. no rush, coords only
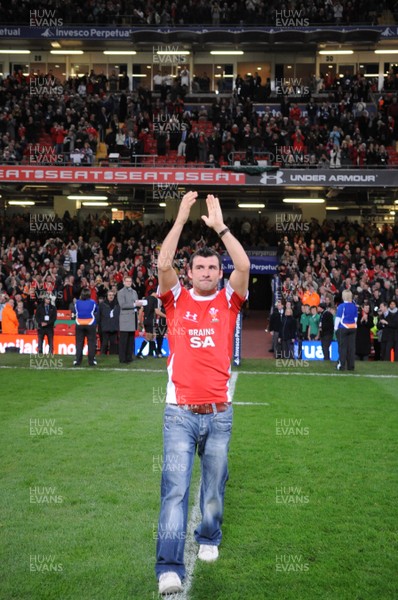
(198, 412)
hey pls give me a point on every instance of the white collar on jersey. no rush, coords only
(203, 298)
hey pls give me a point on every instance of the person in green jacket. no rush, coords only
(303, 327)
(314, 319)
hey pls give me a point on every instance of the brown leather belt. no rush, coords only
(206, 409)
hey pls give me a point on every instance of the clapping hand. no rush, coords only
(185, 207)
(215, 218)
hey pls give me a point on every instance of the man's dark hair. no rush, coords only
(205, 252)
(85, 294)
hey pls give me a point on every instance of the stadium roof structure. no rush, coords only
(259, 35)
(350, 200)
(253, 38)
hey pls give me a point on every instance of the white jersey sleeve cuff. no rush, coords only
(229, 290)
(176, 291)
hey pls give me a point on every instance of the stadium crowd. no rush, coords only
(315, 267)
(333, 132)
(316, 270)
(337, 131)
(165, 13)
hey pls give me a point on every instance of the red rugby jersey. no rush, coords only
(200, 333)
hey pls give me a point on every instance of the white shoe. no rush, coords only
(208, 553)
(169, 583)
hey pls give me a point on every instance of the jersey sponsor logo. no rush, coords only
(201, 338)
(202, 332)
(198, 342)
(190, 316)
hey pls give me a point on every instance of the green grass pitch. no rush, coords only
(310, 507)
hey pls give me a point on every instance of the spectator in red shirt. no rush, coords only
(93, 291)
(298, 140)
(295, 113)
(58, 135)
(150, 285)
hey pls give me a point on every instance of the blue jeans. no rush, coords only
(183, 433)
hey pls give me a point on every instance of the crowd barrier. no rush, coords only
(64, 345)
(313, 351)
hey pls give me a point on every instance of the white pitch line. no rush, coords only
(251, 404)
(301, 373)
(86, 369)
(232, 383)
(191, 548)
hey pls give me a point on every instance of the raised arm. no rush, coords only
(239, 279)
(167, 275)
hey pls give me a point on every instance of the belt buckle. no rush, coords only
(202, 409)
(190, 408)
(205, 409)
